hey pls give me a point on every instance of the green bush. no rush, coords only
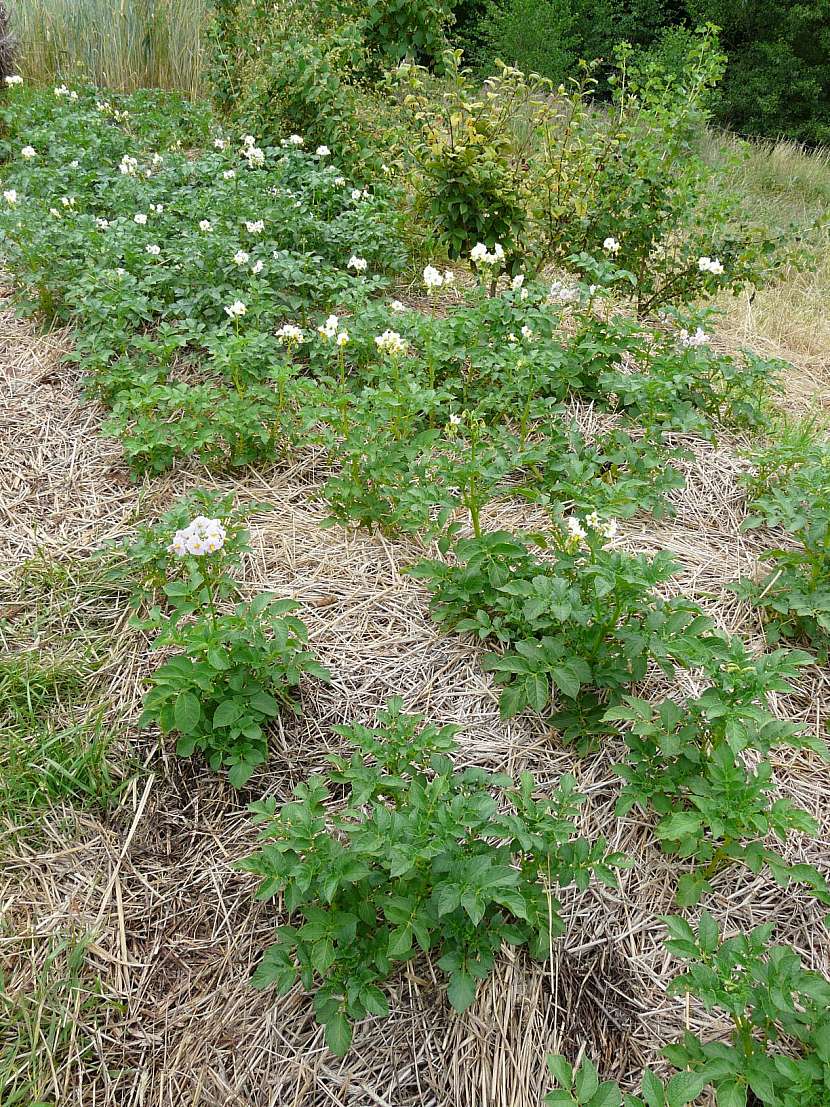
(778, 77)
(777, 80)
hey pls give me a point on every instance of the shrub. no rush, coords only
(540, 172)
(418, 857)
(769, 997)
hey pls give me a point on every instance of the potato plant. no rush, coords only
(417, 857)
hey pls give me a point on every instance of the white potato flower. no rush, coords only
(360, 265)
(255, 226)
(329, 328)
(432, 278)
(257, 267)
(236, 309)
(151, 248)
(229, 174)
(611, 246)
(10, 196)
(14, 79)
(202, 536)
(342, 338)
(575, 528)
(28, 152)
(397, 307)
(322, 151)
(140, 218)
(219, 144)
(101, 224)
(241, 257)
(390, 342)
(697, 338)
(205, 225)
(290, 332)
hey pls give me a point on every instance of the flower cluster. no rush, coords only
(359, 265)
(390, 342)
(289, 333)
(330, 330)
(611, 246)
(434, 279)
(62, 90)
(292, 140)
(322, 151)
(14, 79)
(202, 536)
(128, 166)
(697, 338)
(241, 257)
(251, 152)
(255, 226)
(710, 265)
(10, 196)
(205, 225)
(28, 152)
(236, 309)
(480, 255)
(577, 533)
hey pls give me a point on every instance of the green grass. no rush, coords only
(58, 731)
(48, 1005)
(123, 44)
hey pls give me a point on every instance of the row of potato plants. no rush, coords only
(231, 307)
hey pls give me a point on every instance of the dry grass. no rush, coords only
(783, 184)
(123, 44)
(127, 938)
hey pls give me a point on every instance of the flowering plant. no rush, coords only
(234, 670)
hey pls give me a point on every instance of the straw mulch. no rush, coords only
(164, 1015)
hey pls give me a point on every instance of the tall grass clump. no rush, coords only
(123, 44)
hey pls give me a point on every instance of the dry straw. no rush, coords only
(127, 939)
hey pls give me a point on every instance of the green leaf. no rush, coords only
(338, 1034)
(461, 991)
(707, 933)
(690, 887)
(265, 703)
(587, 1081)
(731, 1094)
(187, 712)
(608, 1094)
(374, 1001)
(226, 713)
(652, 1089)
(684, 1087)
(561, 1069)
